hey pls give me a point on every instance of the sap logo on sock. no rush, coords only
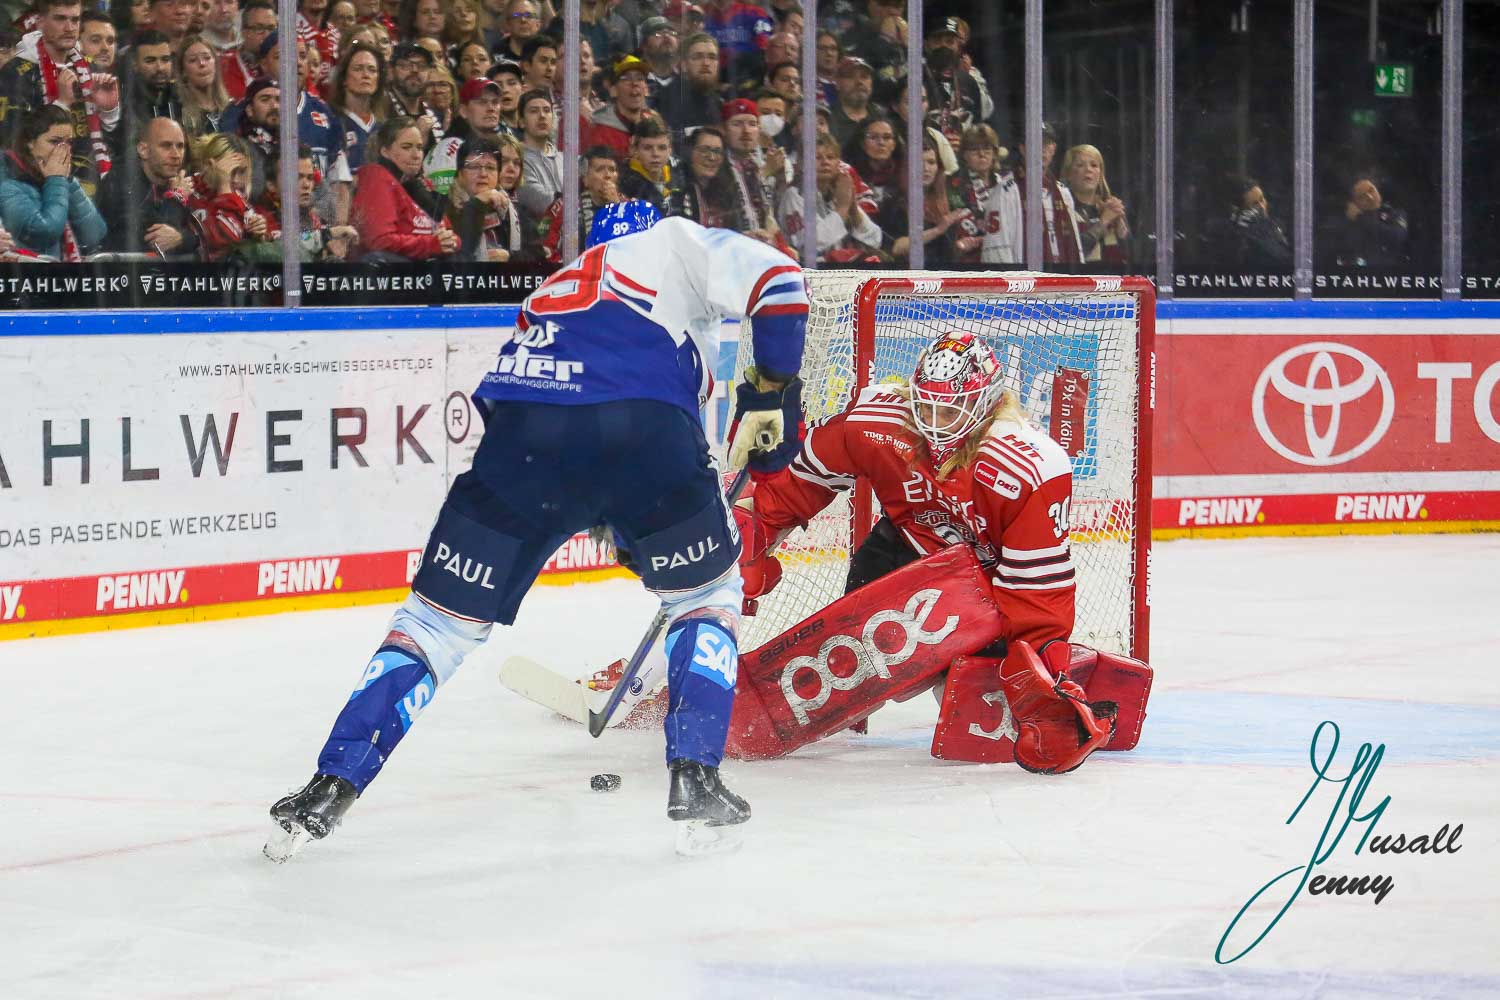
(1230, 510)
(694, 553)
(414, 701)
(297, 576)
(373, 672)
(140, 590)
(465, 569)
(10, 603)
(1379, 507)
(714, 655)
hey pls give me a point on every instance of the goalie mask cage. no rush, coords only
(1078, 353)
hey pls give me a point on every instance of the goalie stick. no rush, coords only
(568, 697)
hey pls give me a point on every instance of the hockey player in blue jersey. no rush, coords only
(594, 405)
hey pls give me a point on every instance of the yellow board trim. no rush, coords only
(1323, 530)
(249, 609)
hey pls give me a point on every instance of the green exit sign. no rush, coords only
(1393, 79)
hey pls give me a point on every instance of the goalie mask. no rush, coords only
(956, 385)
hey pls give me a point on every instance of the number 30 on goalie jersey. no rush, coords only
(1010, 504)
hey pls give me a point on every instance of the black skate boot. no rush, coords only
(311, 814)
(698, 801)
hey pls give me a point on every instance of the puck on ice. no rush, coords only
(604, 782)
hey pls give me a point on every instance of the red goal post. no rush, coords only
(1093, 336)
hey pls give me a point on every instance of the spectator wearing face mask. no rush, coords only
(957, 94)
(756, 190)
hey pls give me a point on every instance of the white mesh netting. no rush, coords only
(1033, 335)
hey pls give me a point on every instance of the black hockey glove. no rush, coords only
(767, 429)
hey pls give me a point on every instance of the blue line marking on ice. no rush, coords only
(1273, 730)
(1228, 727)
(834, 980)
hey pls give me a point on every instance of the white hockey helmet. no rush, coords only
(956, 385)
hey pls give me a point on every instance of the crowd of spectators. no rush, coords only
(430, 129)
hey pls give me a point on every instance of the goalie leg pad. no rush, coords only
(975, 722)
(884, 641)
(1121, 680)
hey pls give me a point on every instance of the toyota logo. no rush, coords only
(1320, 390)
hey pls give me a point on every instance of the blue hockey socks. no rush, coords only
(396, 687)
(702, 663)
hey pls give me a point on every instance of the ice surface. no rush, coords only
(137, 768)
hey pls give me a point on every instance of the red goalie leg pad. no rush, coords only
(1110, 677)
(1056, 728)
(883, 641)
(975, 723)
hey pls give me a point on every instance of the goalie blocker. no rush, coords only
(894, 638)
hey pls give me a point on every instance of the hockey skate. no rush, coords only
(701, 806)
(310, 814)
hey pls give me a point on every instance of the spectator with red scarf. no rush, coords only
(1061, 244)
(221, 192)
(49, 69)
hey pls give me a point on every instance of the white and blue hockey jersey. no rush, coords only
(639, 317)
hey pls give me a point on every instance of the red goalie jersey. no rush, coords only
(1009, 502)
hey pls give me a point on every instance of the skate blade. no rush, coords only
(284, 844)
(696, 839)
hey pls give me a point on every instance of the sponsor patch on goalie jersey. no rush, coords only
(988, 474)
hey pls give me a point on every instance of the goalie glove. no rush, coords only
(759, 569)
(767, 430)
(1056, 727)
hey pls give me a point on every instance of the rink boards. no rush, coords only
(161, 467)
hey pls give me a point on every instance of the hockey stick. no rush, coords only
(598, 720)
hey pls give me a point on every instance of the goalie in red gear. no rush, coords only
(954, 464)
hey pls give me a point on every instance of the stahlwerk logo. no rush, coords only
(869, 659)
(1322, 395)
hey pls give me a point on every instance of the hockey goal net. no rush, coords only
(1078, 353)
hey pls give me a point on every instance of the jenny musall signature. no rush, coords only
(1353, 787)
